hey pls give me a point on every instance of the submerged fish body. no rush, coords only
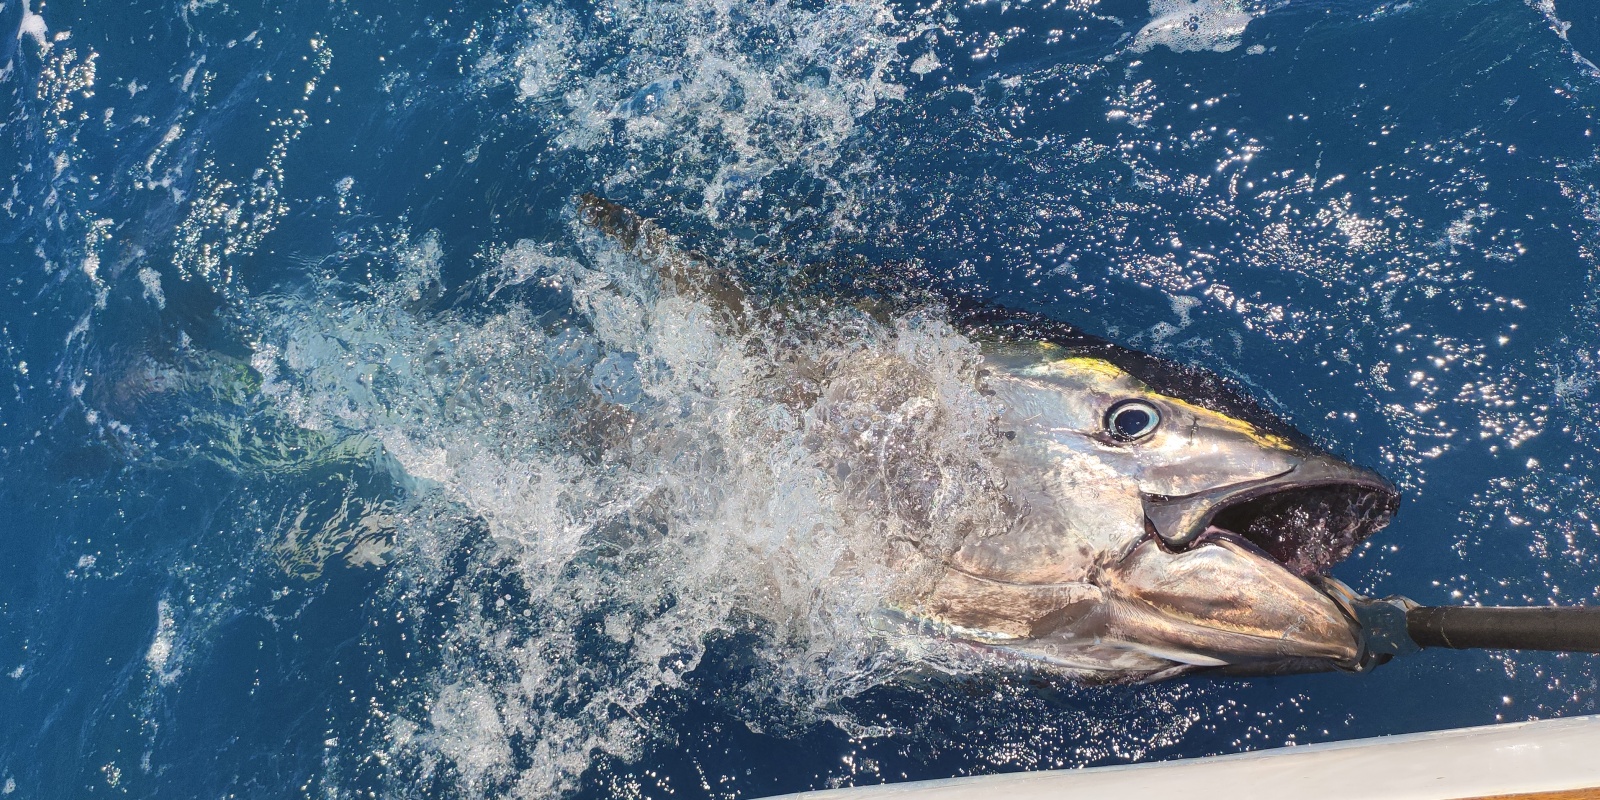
(1131, 518)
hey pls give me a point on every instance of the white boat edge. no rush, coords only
(1520, 758)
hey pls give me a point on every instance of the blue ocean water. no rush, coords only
(299, 489)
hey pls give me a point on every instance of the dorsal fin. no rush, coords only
(685, 272)
(883, 289)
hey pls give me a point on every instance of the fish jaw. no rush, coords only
(1223, 602)
(1244, 594)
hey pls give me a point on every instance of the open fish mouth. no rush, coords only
(1225, 579)
(1307, 528)
(1308, 518)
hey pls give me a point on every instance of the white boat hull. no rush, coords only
(1549, 760)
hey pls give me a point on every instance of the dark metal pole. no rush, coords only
(1574, 629)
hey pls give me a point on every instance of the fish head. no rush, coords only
(1162, 522)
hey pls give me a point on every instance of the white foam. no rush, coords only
(468, 729)
(159, 656)
(1185, 26)
(151, 281)
(1547, 8)
(33, 25)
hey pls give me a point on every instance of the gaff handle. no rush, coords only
(1573, 629)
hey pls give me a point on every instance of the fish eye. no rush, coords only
(1131, 420)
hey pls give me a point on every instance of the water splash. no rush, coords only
(719, 107)
(645, 476)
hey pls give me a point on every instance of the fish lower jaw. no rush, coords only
(1088, 658)
(1100, 660)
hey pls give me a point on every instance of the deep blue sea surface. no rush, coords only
(300, 489)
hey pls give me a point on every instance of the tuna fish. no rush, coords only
(1157, 520)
